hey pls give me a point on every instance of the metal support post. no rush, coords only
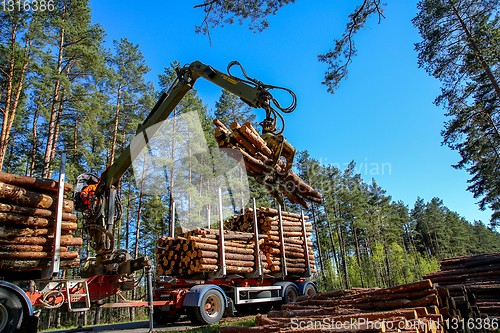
(56, 257)
(150, 296)
(208, 217)
(282, 244)
(317, 241)
(221, 238)
(172, 220)
(256, 239)
(306, 246)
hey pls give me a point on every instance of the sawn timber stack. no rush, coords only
(244, 142)
(27, 218)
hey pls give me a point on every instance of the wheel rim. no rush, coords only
(4, 317)
(291, 296)
(310, 291)
(212, 306)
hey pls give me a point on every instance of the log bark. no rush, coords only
(29, 248)
(244, 329)
(39, 183)
(25, 197)
(23, 265)
(31, 221)
(304, 314)
(229, 256)
(30, 211)
(65, 241)
(37, 255)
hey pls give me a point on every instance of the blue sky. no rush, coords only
(382, 116)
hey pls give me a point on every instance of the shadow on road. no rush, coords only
(135, 327)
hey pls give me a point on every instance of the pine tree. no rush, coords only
(76, 46)
(20, 37)
(128, 87)
(460, 48)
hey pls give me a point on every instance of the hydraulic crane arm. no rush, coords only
(254, 93)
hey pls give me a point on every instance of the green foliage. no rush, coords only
(340, 56)
(220, 12)
(460, 47)
(368, 240)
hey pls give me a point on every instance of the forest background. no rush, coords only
(65, 89)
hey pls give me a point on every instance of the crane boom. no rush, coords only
(255, 96)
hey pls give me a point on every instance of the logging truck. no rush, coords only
(203, 297)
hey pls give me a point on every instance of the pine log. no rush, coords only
(212, 261)
(31, 221)
(6, 231)
(245, 329)
(242, 140)
(253, 136)
(464, 271)
(39, 183)
(399, 303)
(30, 211)
(29, 248)
(275, 212)
(29, 265)
(306, 314)
(25, 197)
(228, 256)
(220, 125)
(37, 255)
(238, 269)
(294, 198)
(65, 241)
(414, 286)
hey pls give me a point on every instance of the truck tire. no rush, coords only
(211, 308)
(11, 311)
(310, 290)
(290, 294)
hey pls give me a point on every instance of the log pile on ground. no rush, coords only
(473, 283)
(27, 218)
(245, 142)
(414, 307)
(197, 251)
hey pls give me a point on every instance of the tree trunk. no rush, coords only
(172, 170)
(56, 132)
(34, 147)
(54, 110)
(11, 105)
(115, 129)
(358, 253)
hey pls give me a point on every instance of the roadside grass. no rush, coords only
(250, 322)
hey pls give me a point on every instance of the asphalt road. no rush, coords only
(135, 327)
(143, 326)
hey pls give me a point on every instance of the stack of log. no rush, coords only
(473, 283)
(413, 307)
(245, 142)
(197, 252)
(27, 218)
(293, 240)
